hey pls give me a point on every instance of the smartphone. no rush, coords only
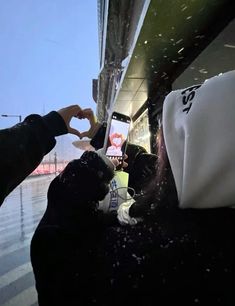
(116, 137)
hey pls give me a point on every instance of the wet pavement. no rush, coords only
(19, 216)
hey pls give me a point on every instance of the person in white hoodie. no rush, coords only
(198, 128)
(196, 148)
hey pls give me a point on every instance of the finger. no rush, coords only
(73, 109)
(124, 164)
(68, 112)
(115, 162)
(125, 156)
(87, 110)
(91, 132)
(79, 115)
(76, 110)
(84, 134)
(89, 114)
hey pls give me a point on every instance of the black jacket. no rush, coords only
(23, 146)
(71, 220)
(82, 257)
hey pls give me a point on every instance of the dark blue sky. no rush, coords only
(48, 56)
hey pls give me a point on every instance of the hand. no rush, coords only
(112, 161)
(67, 114)
(87, 113)
(125, 164)
(115, 161)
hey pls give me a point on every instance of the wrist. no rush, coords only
(55, 123)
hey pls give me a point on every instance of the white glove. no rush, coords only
(123, 213)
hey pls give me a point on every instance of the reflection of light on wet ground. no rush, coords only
(19, 216)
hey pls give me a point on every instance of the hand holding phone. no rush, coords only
(116, 137)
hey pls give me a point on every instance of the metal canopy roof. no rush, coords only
(173, 33)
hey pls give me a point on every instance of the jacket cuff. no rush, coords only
(55, 123)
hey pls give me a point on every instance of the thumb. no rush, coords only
(84, 134)
(115, 162)
(74, 132)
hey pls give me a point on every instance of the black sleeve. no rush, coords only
(23, 146)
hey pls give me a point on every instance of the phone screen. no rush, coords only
(117, 136)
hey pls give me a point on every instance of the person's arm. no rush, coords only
(73, 195)
(23, 146)
(71, 220)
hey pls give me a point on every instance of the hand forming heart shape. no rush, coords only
(71, 111)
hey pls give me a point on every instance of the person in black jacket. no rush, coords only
(183, 250)
(81, 256)
(24, 145)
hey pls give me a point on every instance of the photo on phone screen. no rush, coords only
(117, 135)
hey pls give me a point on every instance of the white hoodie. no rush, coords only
(199, 132)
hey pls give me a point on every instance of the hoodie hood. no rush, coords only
(199, 133)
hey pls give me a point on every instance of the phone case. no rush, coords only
(116, 136)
